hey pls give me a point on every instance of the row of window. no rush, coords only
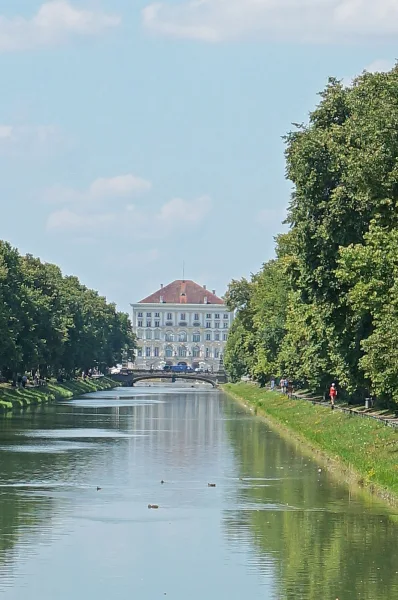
(183, 352)
(208, 324)
(183, 316)
(183, 337)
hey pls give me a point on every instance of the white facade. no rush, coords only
(195, 334)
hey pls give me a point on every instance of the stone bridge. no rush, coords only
(129, 378)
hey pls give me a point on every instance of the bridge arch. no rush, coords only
(130, 378)
(184, 376)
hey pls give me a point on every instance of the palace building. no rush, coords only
(182, 322)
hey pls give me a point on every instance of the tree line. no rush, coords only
(52, 324)
(326, 307)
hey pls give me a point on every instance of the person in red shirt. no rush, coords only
(333, 394)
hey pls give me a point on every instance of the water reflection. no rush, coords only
(273, 527)
(322, 542)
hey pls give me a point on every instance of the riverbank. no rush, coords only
(12, 399)
(364, 451)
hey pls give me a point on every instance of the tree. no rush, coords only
(53, 323)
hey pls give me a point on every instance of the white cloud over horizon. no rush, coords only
(132, 222)
(308, 21)
(54, 22)
(100, 189)
(94, 211)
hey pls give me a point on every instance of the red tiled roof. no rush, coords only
(182, 292)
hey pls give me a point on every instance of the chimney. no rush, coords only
(161, 286)
(214, 292)
(204, 287)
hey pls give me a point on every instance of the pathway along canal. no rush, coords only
(274, 527)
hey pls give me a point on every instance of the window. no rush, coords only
(216, 353)
(156, 352)
(147, 352)
(224, 337)
(148, 334)
(196, 337)
(226, 316)
(149, 315)
(140, 315)
(225, 325)
(207, 352)
(182, 351)
(157, 323)
(217, 325)
(169, 352)
(216, 316)
(208, 337)
(208, 325)
(149, 323)
(169, 336)
(196, 317)
(140, 334)
(196, 351)
(182, 336)
(139, 353)
(139, 323)
(157, 315)
(208, 316)
(217, 337)
(157, 334)
(169, 316)
(183, 316)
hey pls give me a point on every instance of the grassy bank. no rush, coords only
(367, 450)
(11, 399)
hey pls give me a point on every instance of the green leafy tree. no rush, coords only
(53, 323)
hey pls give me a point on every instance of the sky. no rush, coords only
(137, 136)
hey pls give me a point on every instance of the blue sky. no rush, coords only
(134, 137)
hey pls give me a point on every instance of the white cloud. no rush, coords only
(6, 132)
(121, 185)
(54, 22)
(18, 140)
(315, 21)
(133, 222)
(380, 65)
(184, 211)
(100, 189)
(67, 220)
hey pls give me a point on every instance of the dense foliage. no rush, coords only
(326, 308)
(52, 323)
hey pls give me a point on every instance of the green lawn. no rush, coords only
(363, 445)
(11, 398)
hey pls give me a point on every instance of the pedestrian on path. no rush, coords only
(333, 394)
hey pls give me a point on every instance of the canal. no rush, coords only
(275, 527)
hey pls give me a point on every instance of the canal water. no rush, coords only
(274, 527)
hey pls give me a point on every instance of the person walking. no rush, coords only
(333, 394)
